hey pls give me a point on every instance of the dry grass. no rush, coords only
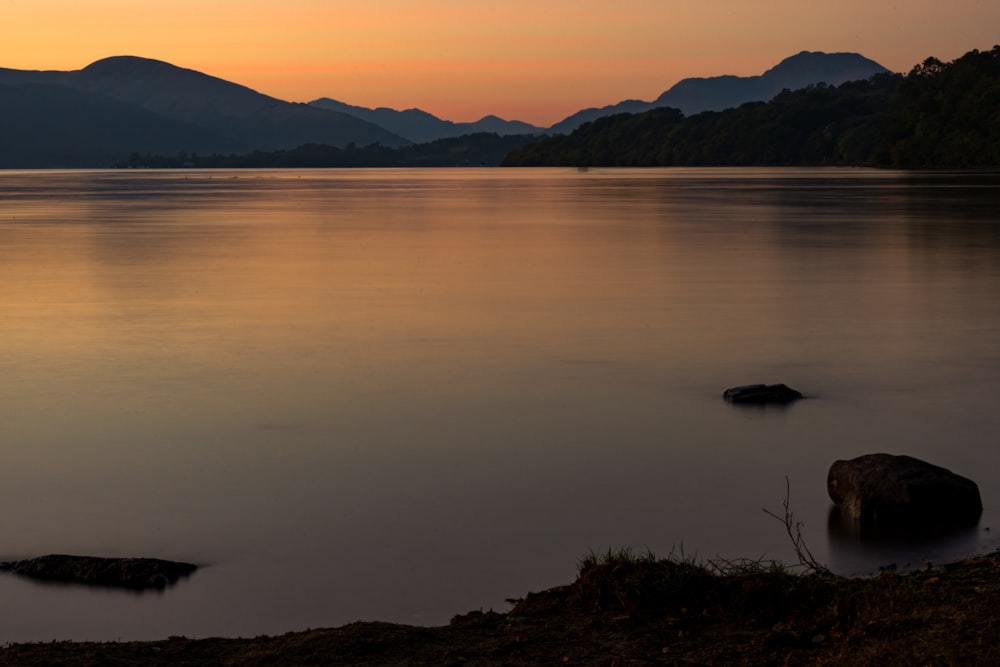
(637, 609)
(627, 609)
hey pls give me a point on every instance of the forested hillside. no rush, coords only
(946, 115)
(939, 115)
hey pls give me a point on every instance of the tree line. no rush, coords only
(472, 150)
(939, 115)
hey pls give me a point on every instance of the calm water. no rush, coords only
(402, 395)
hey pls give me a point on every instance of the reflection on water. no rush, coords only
(400, 395)
(905, 547)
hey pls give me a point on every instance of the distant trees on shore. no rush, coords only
(472, 150)
(940, 115)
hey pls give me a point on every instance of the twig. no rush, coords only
(794, 530)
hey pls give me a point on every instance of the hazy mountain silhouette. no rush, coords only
(716, 93)
(229, 114)
(937, 116)
(47, 125)
(126, 104)
(419, 126)
(235, 110)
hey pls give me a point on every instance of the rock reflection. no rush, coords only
(855, 545)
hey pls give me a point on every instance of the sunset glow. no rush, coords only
(461, 60)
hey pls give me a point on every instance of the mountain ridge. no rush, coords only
(234, 114)
(690, 95)
(696, 94)
(419, 126)
(937, 116)
(148, 100)
(32, 135)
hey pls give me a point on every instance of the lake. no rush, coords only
(401, 395)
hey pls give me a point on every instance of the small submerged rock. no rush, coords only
(132, 573)
(761, 393)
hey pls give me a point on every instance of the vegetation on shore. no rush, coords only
(472, 150)
(940, 115)
(637, 609)
(627, 609)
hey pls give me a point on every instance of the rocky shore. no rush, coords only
(639, 611)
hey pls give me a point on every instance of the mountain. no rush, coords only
(125, 104)
(574, 121)
(237, 111)
(817, 125)
(420, 127)
(803, 69)
(498, 125)
(227, 115)
(694, 95)
(46, 125)
(938, 116)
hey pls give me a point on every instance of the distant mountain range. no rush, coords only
(122, 105)
(691, 96)
(716, 93)
(937, 116)
(420, 127)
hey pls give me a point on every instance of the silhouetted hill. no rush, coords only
(47, 125)
(244, 114)
(940, 115)
(816, 125)
(228, 113)
(803, 69)
(500, 126)
(419, 126)
(716, 93)
(163, 109)
(574, 121)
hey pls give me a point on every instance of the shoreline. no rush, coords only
(638, 610)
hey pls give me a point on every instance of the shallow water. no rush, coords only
(402, 395)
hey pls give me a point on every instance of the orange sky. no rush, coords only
(536, 61)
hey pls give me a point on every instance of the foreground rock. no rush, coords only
(761, 393)
(133, 573)
(902, 490)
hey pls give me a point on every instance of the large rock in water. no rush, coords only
(893, 489)
(134, 573)
(761, 393)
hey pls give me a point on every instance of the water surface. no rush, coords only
(402, 395)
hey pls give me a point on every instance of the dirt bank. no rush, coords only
(639, 612)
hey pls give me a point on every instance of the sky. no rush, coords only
(532, 60)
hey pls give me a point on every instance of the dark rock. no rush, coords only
(902, 490)
(761, 393)
(133, 573)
